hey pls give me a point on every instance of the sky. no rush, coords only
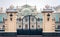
(39, 3)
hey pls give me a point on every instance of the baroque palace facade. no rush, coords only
(27, 17)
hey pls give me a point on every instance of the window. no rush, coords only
(48, 19)
(32, 19)
(59, 19)
(19, 26)
(26, 26)
(38, 26)
(48, 16)
(26, 19)
(32, 26)
(11, 19)
(32, 10)
(58, 27)
(3, 26)
(11, 15)
(19, 19)
(39, 19)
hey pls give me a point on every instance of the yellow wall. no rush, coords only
(48, 26)
(10, 26)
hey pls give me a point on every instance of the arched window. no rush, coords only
(26, 11)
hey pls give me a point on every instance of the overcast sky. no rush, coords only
(38, 3)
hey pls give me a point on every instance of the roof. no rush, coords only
(11, 10)
(25, 6)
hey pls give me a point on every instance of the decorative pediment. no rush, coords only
(32, 8)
